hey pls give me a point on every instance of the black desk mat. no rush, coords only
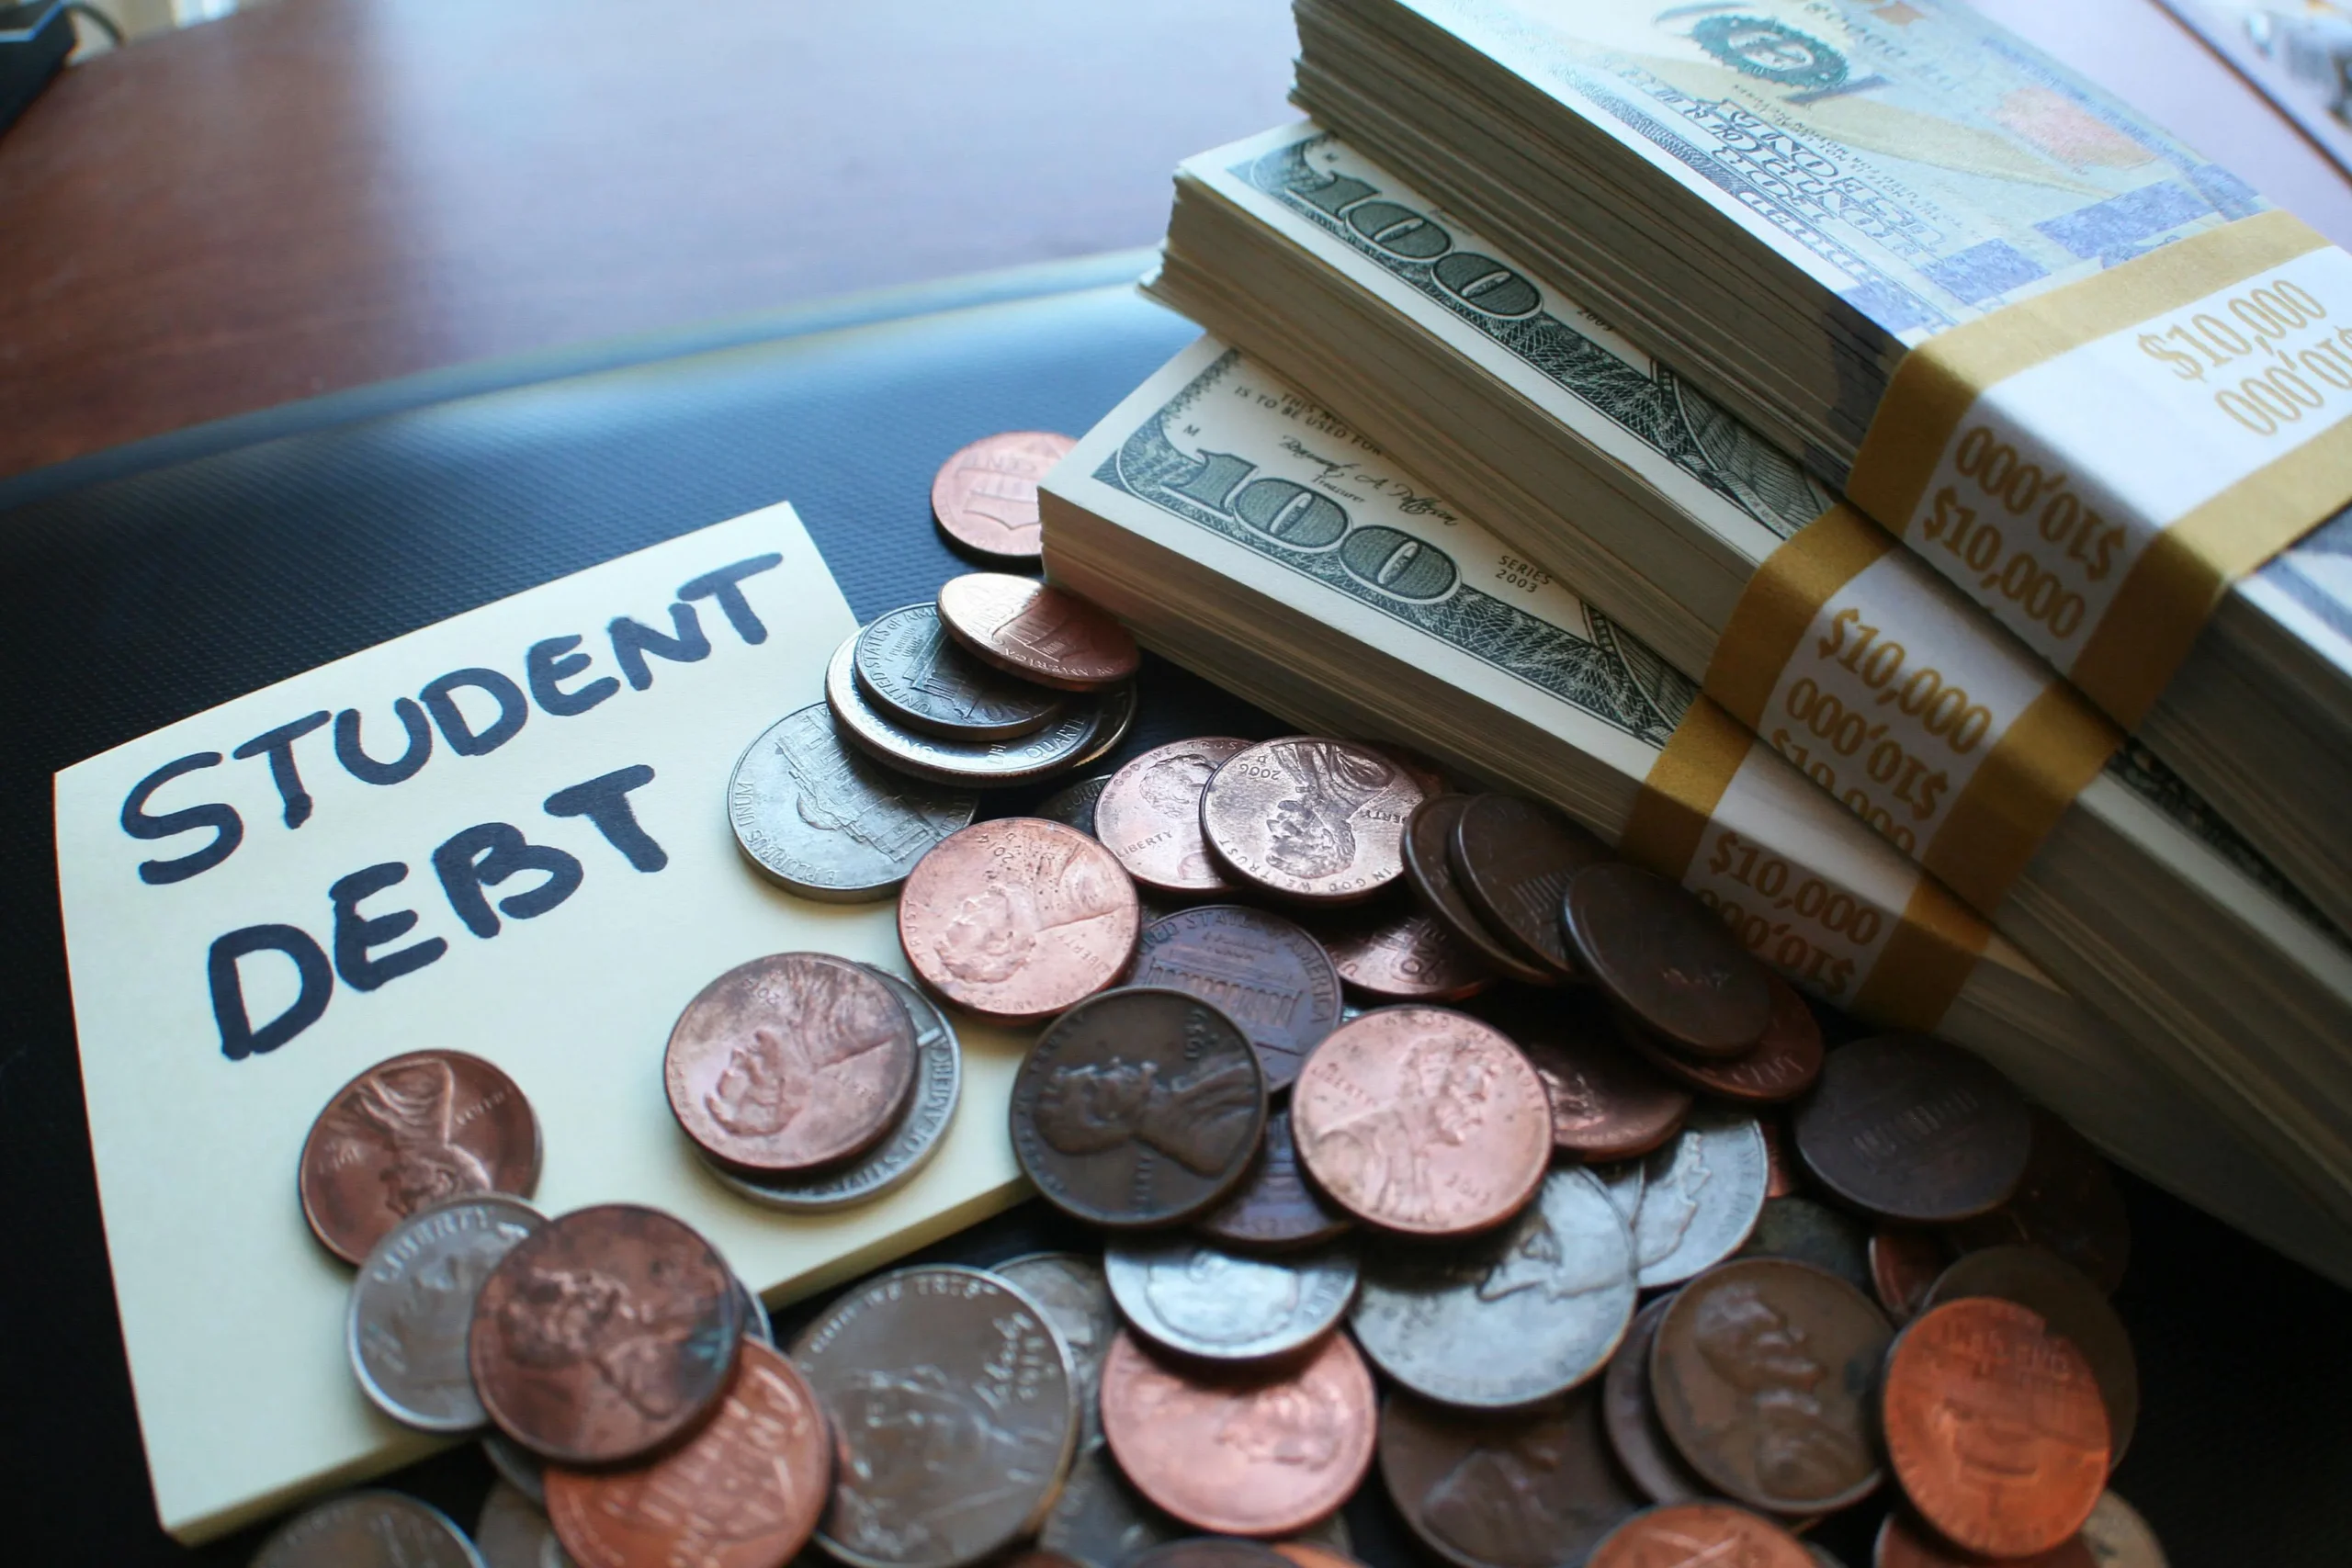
(142, 585)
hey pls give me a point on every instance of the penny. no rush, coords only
(1083, 732)
(1761, 1373)
(2070, 1303)
(743, 1492)
(516, 1465)
(1529, 1489)
(1807, 1232)
(1630, 1416)
(1210, 1551)
(413, 1302)
(1779, 1067)
(1903, 1543)
(1099, 1518)
(1995, 1426)
(1076, 1301)
(2068, 1201)
(1782, 1180)
(1429, 873)
(1036, 631)
(985, 497)
(953, 1420)
(1312, 1554)
(605, 1334)
(1261, 1454)
(1073, 805)
(1196, 1299)
(1606, 1103)
(1037, 1557)
(1395, 953)
(826, 821)
(511, 1532)
(1018, 918)
(1139, 1107)
(1149, 815)
(1910, 1128)
(1514, 860)
(1509, 1318)
(919, 677)
(2120, 1537)
(1701, 1195)
(1310, 818)
(1422, 1120)
(408, 1132)
(1822, 1556)
(1904, 1262)
(1427, 771)
(1687, 1535)
(1262, 971)
(368, 1530)
(1273, 1208)
(1666, 959)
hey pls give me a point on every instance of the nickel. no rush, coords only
(1197, 1299)
(828, 822)
(1701, 1196)
(1084, 731)
(919, 677)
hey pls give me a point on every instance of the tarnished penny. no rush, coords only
(2068, 1201)
(1018, 918)
(1784, 1180)
(1037, 632)
(1429, 873)
(407, 1133)
(1905, 1263)
(1761, 1374)
(605, 1334)
(1702, 1194)
(1607, 1103)
(1074, 1298)
(1392, 951)
(368, 1530)
(1913, 1129)
(512, 1532)
(1779, 1067)
(1534, 1489)
(1904, 1542)
(1264, 1454)
(1995, 1426)
(1149, 815)
(1139, 1107)
(1630, 1416)
(790, 1063)
(1082, 733)
(1422, 1120)
(1700, 1535)
(1264, 972)
(2071, 1305)
(985, 497)
(922, 678)
(413, 1304)
(825, 821)
(1072, 806)
(1275, 1209)
(1195, 1299)
(1515, 860)
(1805, 1232)
(742, 1492)
(1311, 819)
(2120, 1537)
(1666, 959)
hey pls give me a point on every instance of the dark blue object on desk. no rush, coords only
(34, 41)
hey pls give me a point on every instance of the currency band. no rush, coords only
(2096, 465)
(1842, 917)
(1886, 687)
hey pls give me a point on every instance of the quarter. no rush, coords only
(1193, 1299)
(1083, 732)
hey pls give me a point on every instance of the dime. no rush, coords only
(1606, 1104)
(952, 1414)
(1807, 1232)
(1993, 1425)
(1666, 959)
(2068, 1201)
(1630, 1415)
(414, 1301)
(1529, 1489)
(743, 1492)
(1396, 952)
(1273, 1207)
(1684, 1535)
(2069, 1303)
(920, 678)
(985, 497)
(1779, 1067)
(1149, 815)
(1311, 819)
(1072, 806)
(407, 1133)
(1196, 1299)
(511, 1532)
(1761, 1372)
(1509, 1318)
(1266, 973)
(1904, 1261)
(1701, 1196)
(368, 1530)
(1076, 1299)
(828, 822)
(1422, 1120)
(1019, 919)
(2120, 1537)
(605, 1334)
(1904, 1544)
(1515, 859)
(1138, 1106)
(1099, 1518)
(1263, 1455)
(1429, 873)
(1084, 730)
(1910, 1128)
(1038, 632)
(1210, 1551)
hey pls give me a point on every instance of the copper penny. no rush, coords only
(1607, 1103)
(1422, 1120)
(1309, 1554)
(1018, 918)
(1780, 1179)
(2068, 1201)
(2070, 1305)
(1311, 819)
(1630, 1416)
(1037, 632)
(1253, 1455)
(1140, 1106)
(1779, 1067)
(1665, 957)
(1911, 1128)
(1273, 1209)
(911, 668)
(1904, 1542)
(1904, 1262)
(604, 1335)
(409, 1132)
(1995, 1426)
(1515, 860)
(1266, 973)
(1149, 815)
(1429, 873)
(1533, 1489)
(985, 497)
(789, 1063)
(1700, 1535)
(744, 1492)
(1396, 952)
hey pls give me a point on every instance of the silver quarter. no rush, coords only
(1702, 1193)
(1082, 731)
(1076, 1299)
(828, 822)
(1623, 1178)
(369, 1529)
(413, 1304)
(923, 680)
(512, 1532)
(1199, 1300)
(1525, 1313)
(1073, 805)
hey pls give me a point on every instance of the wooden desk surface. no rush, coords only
(318, 194)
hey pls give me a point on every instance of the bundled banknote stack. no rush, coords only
(1845, 460)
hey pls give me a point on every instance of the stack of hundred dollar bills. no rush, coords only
(1504, 413)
